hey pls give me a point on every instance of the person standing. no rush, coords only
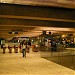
(24, 46)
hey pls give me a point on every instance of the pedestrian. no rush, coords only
(24, 46)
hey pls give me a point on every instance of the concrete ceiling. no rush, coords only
(59, 3)
(30, 19)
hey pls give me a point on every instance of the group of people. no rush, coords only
(25, 46)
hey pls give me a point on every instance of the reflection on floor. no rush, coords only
(65, 57)
(33, 64)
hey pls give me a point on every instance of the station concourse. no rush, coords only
(50, 27)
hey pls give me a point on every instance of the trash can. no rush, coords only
(10, 49)
(16, 49)
(4, 47)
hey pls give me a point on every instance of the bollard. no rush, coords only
(10, 49)
(4, 47)
(16, 49)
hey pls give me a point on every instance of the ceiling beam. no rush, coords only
(30, 22)
(35, 18)
(37, 11)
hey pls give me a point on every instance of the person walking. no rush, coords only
(24, 46)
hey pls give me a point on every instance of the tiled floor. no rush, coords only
(33, 64)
